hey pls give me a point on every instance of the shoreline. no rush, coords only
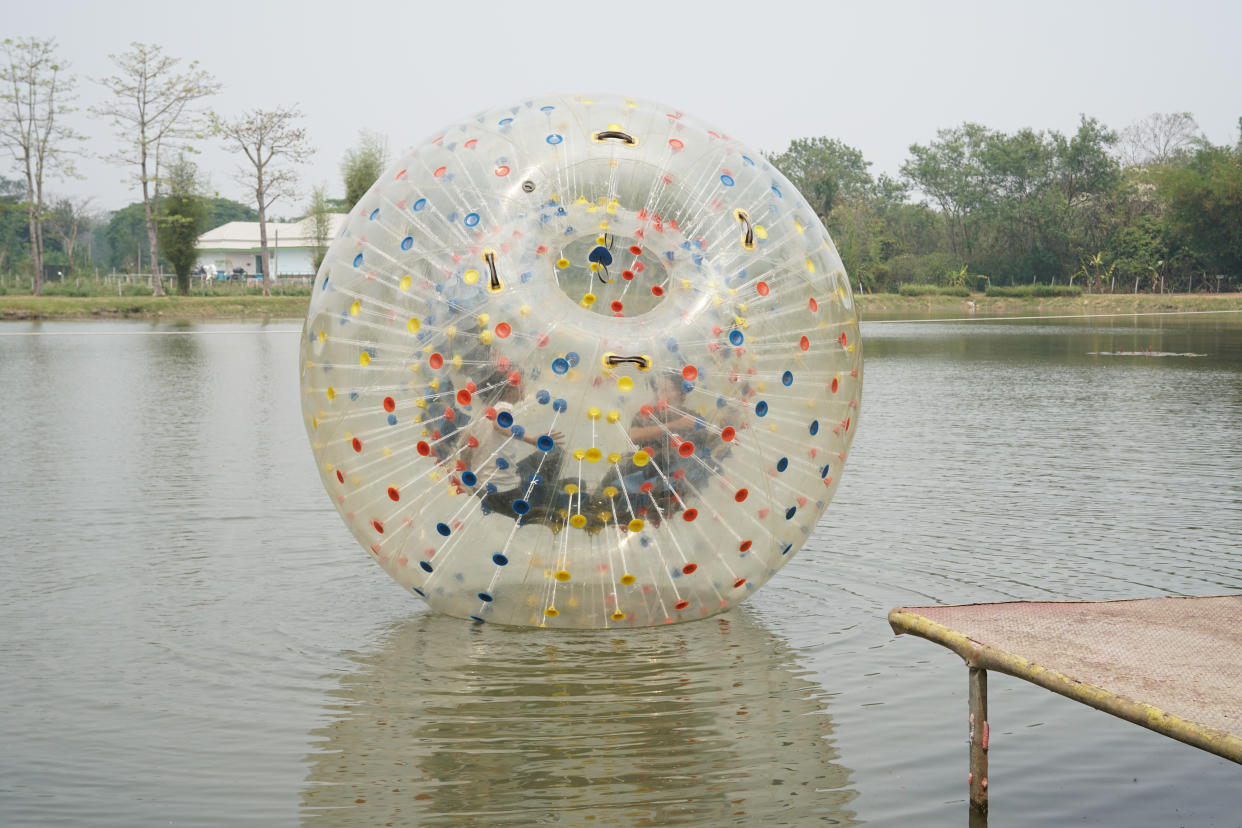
(872, 307)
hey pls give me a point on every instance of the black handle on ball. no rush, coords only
(615, 134)
(748, 240)
(491, 265)
(641, 361)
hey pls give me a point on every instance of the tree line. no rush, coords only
(1153, 207)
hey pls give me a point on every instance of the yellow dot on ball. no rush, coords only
(331, 393)
(406, 281)
(636, 525)
(593, 455)
(413, 325)
(355, 307)
(628, 579)
(571, 488)
(524, 310)
(551, 612)
(322, 336)
(364, 359)
(562, 575)
(625, 383)
(450, 331)
(578, 521)
(810, 266)
(562, 263)
(601, 239)
(618, 616)
(641, 458)
(594, 413)
(588, 299)
(470, 276)
(485, 337)
(483, 319)
(610, 491)
(614, 457)
(761, 231)
(613, 416)
(579, 454)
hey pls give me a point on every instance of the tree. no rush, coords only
(824, 170)
(36, 94)
(270, 140)
(69, 218)
(1204, 201)
(1160, 138)
(152, 111)
(319, 215)
(949, 172)
(363, 165)
(182, 220)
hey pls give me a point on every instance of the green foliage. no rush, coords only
(1028, 291)
(825, 170)
(363, 165)
(222, 211)
(1204, 200)
(318, 212)
(934, 290)
(182, 219)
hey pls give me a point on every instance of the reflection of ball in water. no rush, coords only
(583, 363)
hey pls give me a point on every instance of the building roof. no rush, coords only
(244, 235)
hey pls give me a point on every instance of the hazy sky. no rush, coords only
(876, 75)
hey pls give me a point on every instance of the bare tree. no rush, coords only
(153, 110)
(271, 140)
(36, 94)
(67, 219)
(1159, 139)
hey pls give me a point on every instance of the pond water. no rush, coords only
(190, 636)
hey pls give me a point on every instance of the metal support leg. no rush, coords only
(978, 741)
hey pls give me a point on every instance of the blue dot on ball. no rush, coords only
(726, 180)
(418, 205)
(443, 529)
(504, 419)
(471, 219)
(554, 139)
(761, 408)
(789, 513)
(545, 443)
(499, 559)
(559, 404)
(814, 428)
(518, 431)
(483, 596)
(787, 378)
(560, 366)
(358, 260)
(374, 214)
(521, 506)
(419, 591)
(736, 338)
(425, 567)
(543, 397)
(392, 419)
(573, 359)
(502, 463)
(469, 478)
(782, 464)
(407, 242)
(600, 255)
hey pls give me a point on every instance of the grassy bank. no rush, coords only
(888, 305)
(150, 307)
(872, 306)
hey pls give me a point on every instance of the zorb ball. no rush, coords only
(581, 362)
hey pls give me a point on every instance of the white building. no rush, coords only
(290, 245)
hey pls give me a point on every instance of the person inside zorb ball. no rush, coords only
(581, 362)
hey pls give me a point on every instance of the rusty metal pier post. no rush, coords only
(978, 744)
